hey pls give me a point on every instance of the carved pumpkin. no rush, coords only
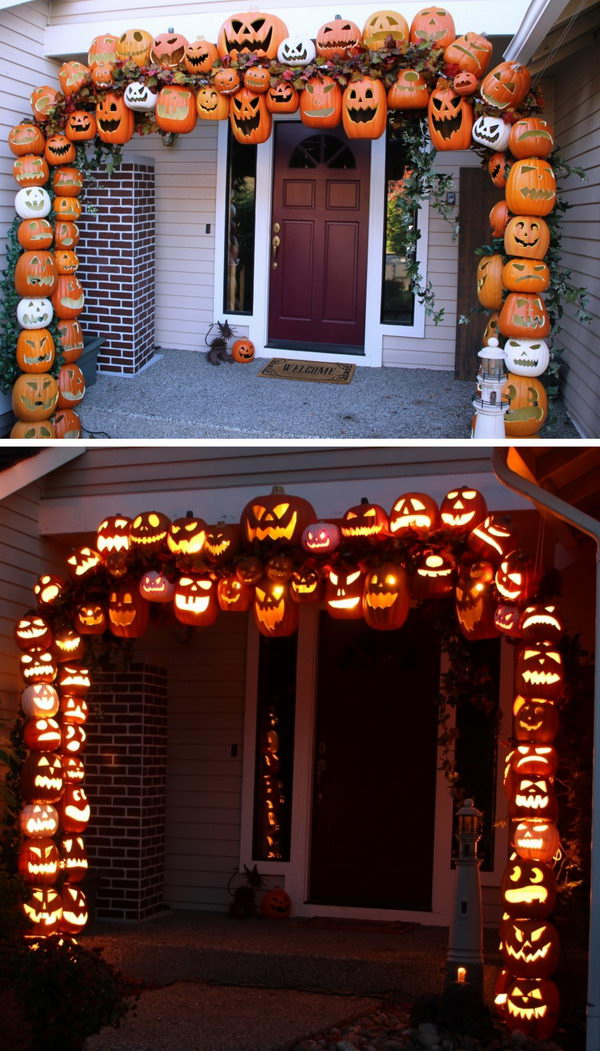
(533, 758)
(31, 170)
(321, 103)
(35, 350)
(43, 100)
(72, 77)
(156, 587)
(465, 83)
(43, 911)
(492, 132)
(59, 150)
(38, 862)
(296, 51)
(249, 570)
(222, 541)
(275, 614)
(536, 839)
(249, 118)
(195, 600)
(344, 592)
(528, 405)
(168, 49)
(531, 137)
(531, 187)
(535, 720)
(498, 168)
(42, 735)
(227, 81)
(66, 235)
(115, 122)
(67, 209)
(523, 314)
(176, 109)
(32, 202)
(186, 536)
(450, 118)
(200, 56)
(71, 385)
(90, 619)
(103, 48)
(68, 298)
(148, 532)
(414, 514)
(134, 46)
(128, 612)
(210, 105)
(66, 263)
(526, 357)
(306, 586)
(42, 778)
(38, 820)
(541, 623)
(74, 709)
(40, 701)
(257, 78)
(517, 577)
(533, 797)
(489, 281)
(243, 349)
(83, 561)
(102, 75)
(525, 275)
(74, 809)
(386, 600)
(530, 947)
(321, 537)
(527, 236)
(67, 645)
(462, 509)
(499, 216)
(73, 769)
(35, 233)
(34, 397)
(140, 98)
(382, 25)
(409, 91)
(364, 108)
(339, 38)
(67, 182)
(26, 138)
(73, 858)
(276, 904)
(506, 85)
(276, 517)
(80, 126)
(74, 678)
(475, 604)
(471, 53)
(506, 619)
(113, 535)
(539, 671)
(279, 567)
(530, 1005)
(47, 589)
(365, 521)
(37, 665)
(433, 25)
(252, 33)
(528, 888)
(33, 630)
(232, 595)
(434, 574)
(74, 910)
(282, 98)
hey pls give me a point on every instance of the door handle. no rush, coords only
(275, 242)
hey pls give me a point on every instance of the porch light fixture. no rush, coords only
(491, 405)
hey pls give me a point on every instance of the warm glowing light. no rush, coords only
(461, 974)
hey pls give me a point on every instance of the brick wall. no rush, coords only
(117, 270)
(126, 781)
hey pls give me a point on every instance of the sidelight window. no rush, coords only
(398, 299)
(239, 228)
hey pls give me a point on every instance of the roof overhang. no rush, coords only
(35, 467)
(552, 30)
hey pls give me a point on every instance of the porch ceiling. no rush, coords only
(572, 474)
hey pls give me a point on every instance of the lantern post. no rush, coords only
(464, 961)
(490, 406)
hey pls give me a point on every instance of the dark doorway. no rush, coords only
(375, 765)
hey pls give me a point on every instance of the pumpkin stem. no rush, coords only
(278, 490)
(189, 514)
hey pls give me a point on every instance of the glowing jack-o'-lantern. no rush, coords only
(40, 701)
(530, 947)
(414, 514)
(74, 910)
(249, 570)
(43, 910)
(47, 589)
(531, 187)
(489, 281)
(409, 91)
(434, 574)
(306, 586)
(386, 600)
(296, 51)
(42, 778)
(74, 738)
(276, 517)
(344, 587)
(279, 567)
(364, 108)
(222, 541)
(533, 797)
(541, 623)
(534, 758)
(38, 862)
(74, 678)
(528, 888)
(536, 839)
(186, 536)
(526, 357)
(90, 619)
(321, 103)
(450, 118)
(38, 820)
(517, 577)
(506, 619)
(73, 709)
(148, 532)
(365, 521)
(73, 770)
(274, 612)
(462, 509)
(128, 612)
(42, 735)
(233, 595)
(529, 1005)
(113, 535)
(527, 236)
(156, 587)
(253, 33)
(37, 665)
(491, 539)
(33, 630)
(535, 720)
(83, 561)
(73, 858)
(338, 38)
(321, 537)
(74, 809)
(249, 118)
(195, 600)
(475, 604)
(492, 132)
(539, 671)
(380, 26)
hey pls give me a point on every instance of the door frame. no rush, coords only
(294, 874)
(257, 322)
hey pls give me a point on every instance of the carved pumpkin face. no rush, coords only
(186, 536)
(433, 25)
(59, 150)
(31, 170)
(103, 48)
(506, 85)
(83, 561)
(226, 81)
(249, 570)
(386, 600)
(26, 138)
(249, 117)
(156, 587)
(344, 592)
(222, 541)
(492, 132)
(73, 858)
(531, 137)
(68, 645)
(176, 110)
(43, 910)
(525, 275)
(274, 612)
(253, 33)
(114, 121)
(90, 619)
(465, 83)
(530, 947)
(113, 535)
(471, 53)
(195, 600)
(42, 778)
(211, 105)
(68, 298)
(232, 595)
(531, 1006)
(276, 904)
(74, 910)
(74, 809)
(66, 235)
(35, 233)
(149, 531)
(139, 97)
(73, 709)
(43, 100)
(450, 118)
(364, 108)
(306, 586)
(321, 537)
(365, 521)
(168, 50)
(128, 612)
(66, 263)
(37, 665)
(47, 589)
(276, 517)
(279, 567)
(409, 91)
(380, 26)
(539, 671)
(338, 38)
(32, 202)
(32, 630)
(517, 577)
(296, 51)
(74, 678)
(102, 76)
(200, 56)
(74, 738)
(526, 357)
(434, 574)
(40, 701)
(538, 759)
(461, 509)
(531, 187)
(80, 126)
(68, 182)
(42, 735)
(533, 797)
(73, 770)
(38, 862)
(257, 78)
(528, 405)
(498, 168)
(278, 101)
(134, 46)
(38, 820)
(321, 103)
(528, 888)
(506, 619)
(535, 720)
(541, 623)
(491, 539)
(536, 839)
(475, 605)
(35, 314)
(414, 514)
(489, 281)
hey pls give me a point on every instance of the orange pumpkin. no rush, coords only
(168, 49)
(433, 25)
(465, 83)
(491, 329)
(380, 26)
(282, 98)
(35, 233)
(321, 103)
(33, 429)
(71, 338)
(339, 38)
(102, 75)
(527, 236)
(489, 281)
(31, 170)
(249, 117)
(71, 386)
(26, 138)
(251, 33)
(72, 77)
(210, 105)
(80, 126)
(498, 167)
(68, 298)
(103, 49)
(176, 109)
(506, 85)
(531, 137)
(227, 81)
(42, 100)
(34, 397)
(242, 350)
(525, 275)
(67, 182)
(409, 91)
(471, 53)
(364, 109)
(257, 78)
(115, 122)
(67, 208)
(35, 350)
(66, 261)
(499, 216)
(276, 904)
(450, 118)
(531, 187)
(523, 315)
(66, 424)
(134, 46)
(59, 150)
(66, 234)
(200, 56)
(35, 274)
(528, 406)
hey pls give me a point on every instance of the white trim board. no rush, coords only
(49, 459)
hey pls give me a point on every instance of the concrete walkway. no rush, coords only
(179, 395)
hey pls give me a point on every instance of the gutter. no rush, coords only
(591, 527)
(539, 19)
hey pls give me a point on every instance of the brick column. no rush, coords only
(125, 763)
(117, 268)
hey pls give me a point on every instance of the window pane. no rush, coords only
(239, 234)
(397, 302)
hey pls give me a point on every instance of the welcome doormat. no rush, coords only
(309, 371)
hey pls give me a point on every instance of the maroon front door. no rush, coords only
(320, 218)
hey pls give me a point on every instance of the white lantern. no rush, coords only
(296, 51)
(490, 405)
(526, 357)
(34, 313)
(32, 202)
(492, 132)
(139, 97)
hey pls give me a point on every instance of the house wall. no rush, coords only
(577, 124)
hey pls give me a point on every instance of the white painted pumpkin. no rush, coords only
(296, 51)
(492, 132)
(32, 202)
(34, 313)
(139, 97)
(526, 357)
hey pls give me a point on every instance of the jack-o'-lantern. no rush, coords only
(471, 53)
(195, 600)
(275, 614)
(148, 532)
(276, 516)
(74, 738)
(414, 514)
(67, 181)
(221, 543)
(35, 274)
(249, 570)
(529, 1005)
(281, 98)
(74, 910)
(321, 103)
(531, 187)
(491, 539)
(434, 574)
(72, 77)
(233, 596)
(43, 100)
(128, 612)
(74, 809)
(168, 49)
(26, 138)
(66, 263)
(74, 678)
(531, 137)
(59, 150)
(114, 121)
(433, 25)
(73, 858)
(68, 298)
(506, 619)
(536, 839)
(380, 26)
(38, 862)
(541, 623)
(83, 561)
(530, 947)
(499, 216)
(156, 587)
(40, 700)
(67, 645)
(176, 109)
(465, 83)
(113, 535)
(450, 118)
(321, 537)
(475, 604)
(134, 46)
(249, 118)
(42, 778)
(344, 587)
(35, 233)
(517, 577)
(73, 770)
(38, 820)
(139, 97)
(525, 275)
(90, 619)
(506, 85)
(243, 349)
(279, 567)
(66, 235)
(533, 797)
(365, 521)
(80, 126)
(103, 48)
(37, 665)
(71, 386)
(409, 91)
(489, 281)
(252, 33)
(462, 509)
(533, 758)
(339, 38)
(498, 168)
(102, 77)
(526, 357)
(32, 630)
(31, 170)
(535, 719)
(73, 709)
(492, 132)
(528, 405)
(186, 536)
(276, 904)
(257, 78)
(296, 51)
(211, 105)
(67, 209)
(528, 888)
(47, 589)
(364, 108)
(306, 586)
(42, 735)
(32, 202)
(386, 600)
(539, 671)
(200, 56)
(43, 911)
